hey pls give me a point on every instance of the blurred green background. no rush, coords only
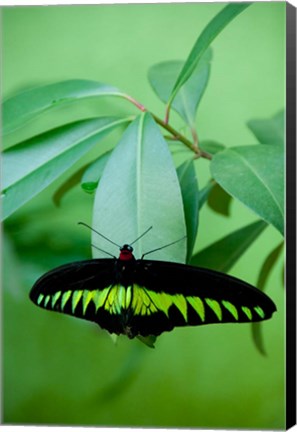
(60, 370)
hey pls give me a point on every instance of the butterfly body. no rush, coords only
(145, 297)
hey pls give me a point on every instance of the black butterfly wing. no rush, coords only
(166, 295)
(80, 289)
(148, 297)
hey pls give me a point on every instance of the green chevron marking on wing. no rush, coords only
(215, 306)
(247, 311)
(180, 302)
(76, 296)
(40, 298)
(128, 296)
(46, 300)
(120, 300)
(65, 297)
(159, 301)
(137, 304)
(87, 297)
(111, 303)
(138, 300)
(146, 302)
(122, 296)
(99, 297)
(198, 306)
(231, 308)
(55, 298)
(108, 300)
(259, 311)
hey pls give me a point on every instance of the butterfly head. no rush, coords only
(126, 253)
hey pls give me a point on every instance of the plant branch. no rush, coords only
(198, 152)
(175, 134)
(137, 104)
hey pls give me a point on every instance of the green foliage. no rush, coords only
(219, 200)
(255, 176)
(204, 40)
(23, 107)
(139, 172)
(93, 173)
(162, 77)
(264, 274)
(30, 166)
(191, 201)
(271, 130)
(224, 253)
(127, 185)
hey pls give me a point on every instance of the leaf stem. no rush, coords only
(195, 137)
(198, 152)
(137, 104)
(176, 135)
(167, 114)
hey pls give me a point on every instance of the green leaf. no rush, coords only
(216, 25)
(123, 376)
(219, 200)
(162, 77)
(148, 340)
(262, 279)
(32, 165)
(93, 173)
(211, 146)
(223, 254)
(68, 184)
(268, 266)
(255, 176)
(190, 194)
(139, 188)
(23, 107)
(269, 131)
(205, 191)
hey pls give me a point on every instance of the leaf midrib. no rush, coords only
(74, 144)
(245, 162)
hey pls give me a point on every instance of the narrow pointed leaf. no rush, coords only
(223, 254)
(139, 188)
(190, 194)
(93, 173)
(123, 377)
(269, 131)
(162, 77)
(204, 192)
(147, 340)
(255, 176)
(261, 284)
(23, 107)
(219, 200)
(210, 32)
(68, 184)
(32, 165)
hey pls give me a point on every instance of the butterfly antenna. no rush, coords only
(145, 232)
(102, 250)
(163, 247)
(97, 232)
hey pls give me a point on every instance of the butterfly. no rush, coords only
(140, 297)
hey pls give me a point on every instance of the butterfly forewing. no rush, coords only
(148, 297)
(79, 289)
(194, 296)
